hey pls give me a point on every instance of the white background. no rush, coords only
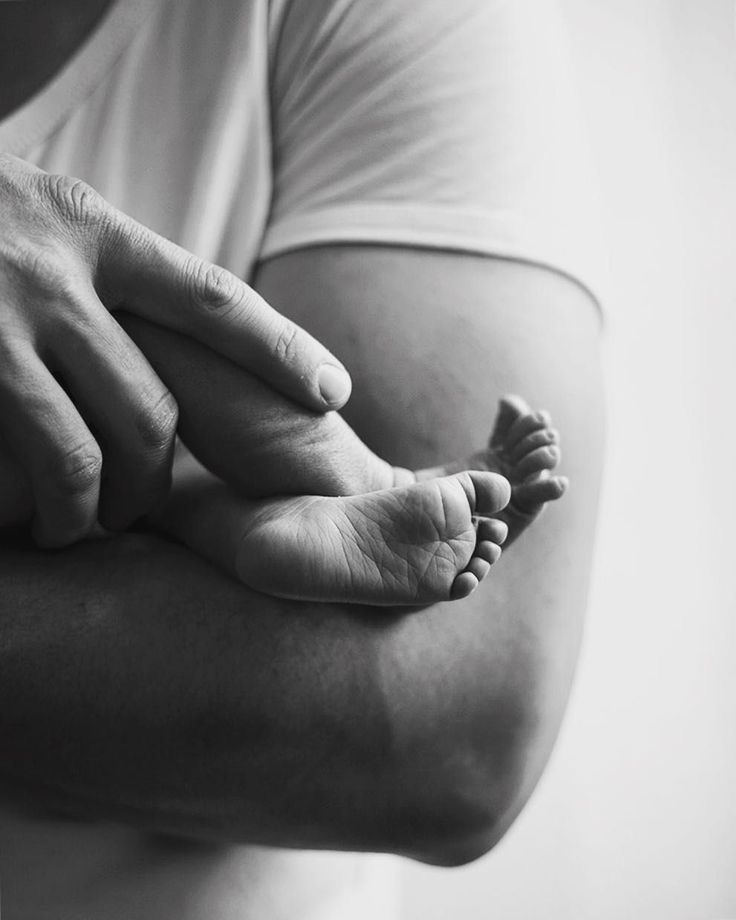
(636, 817)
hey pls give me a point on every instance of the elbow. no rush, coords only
(457, 749)
(452, 851)
(473, 837)
(463, 801)
(458, 833)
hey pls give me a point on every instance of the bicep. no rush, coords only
(432, 340)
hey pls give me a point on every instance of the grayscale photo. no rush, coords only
(366, 490)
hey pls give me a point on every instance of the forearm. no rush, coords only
(141, 685)
(176, 693)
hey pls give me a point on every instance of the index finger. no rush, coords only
(158, 280)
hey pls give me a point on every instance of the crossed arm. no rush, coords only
(141, 685)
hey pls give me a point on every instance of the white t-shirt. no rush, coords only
(243, 129)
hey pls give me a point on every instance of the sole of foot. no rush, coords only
(433, 540)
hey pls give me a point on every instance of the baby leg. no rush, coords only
(260, 442)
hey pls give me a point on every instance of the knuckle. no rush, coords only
(42, 268)
(77, 469)
(158, 422)
(74, 199)
(212, 288)
(75, 327)
(62, 283)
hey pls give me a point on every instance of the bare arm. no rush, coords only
(142, 685)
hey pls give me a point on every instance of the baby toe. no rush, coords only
(542, 437)
(487, 492)
(487, 551)
(525, 426)
(479, 567)
(543, 458)
(510, 409)
(492, 529)
(465, 583)
(530, 495)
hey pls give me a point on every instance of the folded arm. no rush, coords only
(143, 686)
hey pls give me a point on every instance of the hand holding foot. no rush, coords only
(418, 538)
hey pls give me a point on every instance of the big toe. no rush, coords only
(487, 492)
(510, 409)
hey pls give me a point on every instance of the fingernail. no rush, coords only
(334, 385)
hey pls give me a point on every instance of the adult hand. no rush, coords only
(81, 410)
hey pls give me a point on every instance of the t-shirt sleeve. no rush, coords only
(446, 124)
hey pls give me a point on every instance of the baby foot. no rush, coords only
(421, 543)
(407, 539)
(524, 448)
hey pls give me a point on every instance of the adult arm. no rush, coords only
(141, 685)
